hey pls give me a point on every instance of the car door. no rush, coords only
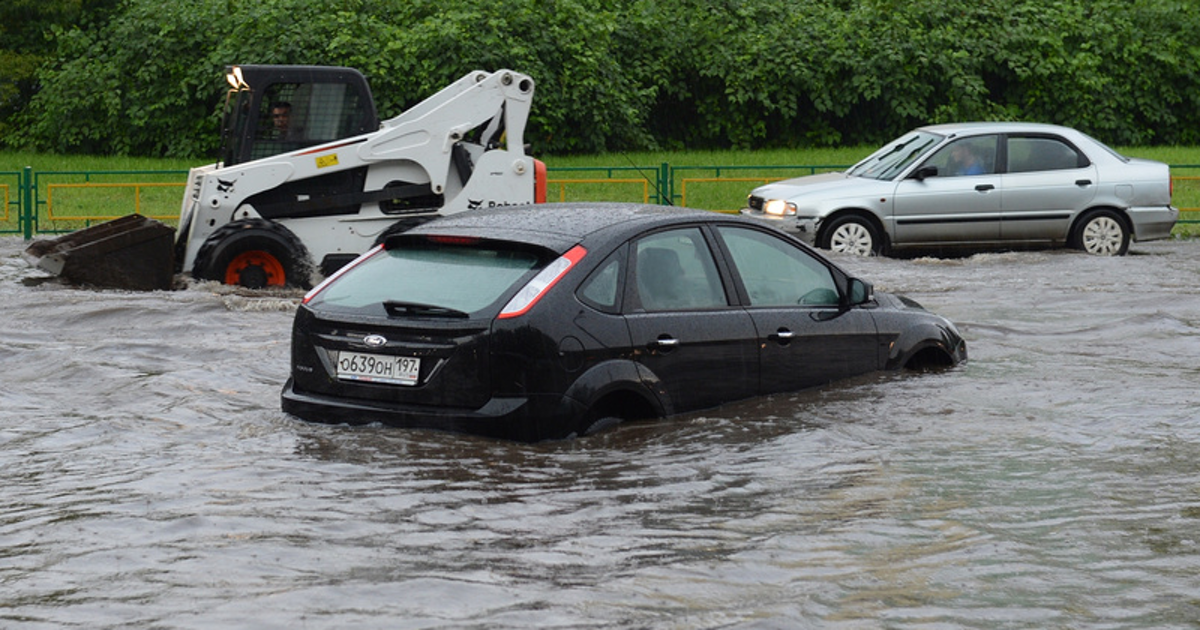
(959, 202)
(1047, 181)
(700, 351)
(806, 337)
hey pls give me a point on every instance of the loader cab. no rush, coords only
(276, 109)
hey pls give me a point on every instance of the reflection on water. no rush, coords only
(1054, 481)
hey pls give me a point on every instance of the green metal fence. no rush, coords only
(1185, 191)
(65, 201)
(10, 192)
(51, 202)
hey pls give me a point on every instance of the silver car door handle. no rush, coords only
(985, 187)
(1083, 182)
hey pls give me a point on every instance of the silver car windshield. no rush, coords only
(888, 162)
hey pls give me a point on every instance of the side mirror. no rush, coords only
(925, 171)
(860, 292)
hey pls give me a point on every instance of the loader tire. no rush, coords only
(254, 253)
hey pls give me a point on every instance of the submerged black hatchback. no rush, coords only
(556, 320)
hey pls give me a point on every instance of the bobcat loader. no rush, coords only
(309, 178)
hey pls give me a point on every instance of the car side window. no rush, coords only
(1028, 154)
(601, 290)
(968, 156)
(675, 270)
(776, 272)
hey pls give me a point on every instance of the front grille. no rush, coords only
(755, 203)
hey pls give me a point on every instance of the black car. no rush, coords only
(555, 320)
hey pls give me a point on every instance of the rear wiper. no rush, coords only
(395, 308)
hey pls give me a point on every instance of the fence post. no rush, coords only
(666, 188)
(25, 215)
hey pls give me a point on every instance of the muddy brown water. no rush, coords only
(149, 480)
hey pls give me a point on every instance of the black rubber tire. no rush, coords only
(1101, 233)
(224, 246)
(852, 234)
(602, 424)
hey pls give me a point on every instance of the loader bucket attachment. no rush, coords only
(133, 252)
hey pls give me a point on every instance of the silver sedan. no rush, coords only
(978, 184)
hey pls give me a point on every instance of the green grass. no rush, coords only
(625, 176)
(774, 157)
(15, 161)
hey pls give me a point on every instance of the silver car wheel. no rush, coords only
(852, 237)
(1103, 236)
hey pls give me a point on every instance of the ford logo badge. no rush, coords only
(374, 341)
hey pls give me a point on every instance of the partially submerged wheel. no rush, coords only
(601, 425)
(1102, 233)
(253, 253)
(852, 234)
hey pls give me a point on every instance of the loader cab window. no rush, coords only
(276, 109)
(292, 116)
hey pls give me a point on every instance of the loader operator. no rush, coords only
(281, 118)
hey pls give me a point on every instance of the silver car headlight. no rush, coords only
(779, 208)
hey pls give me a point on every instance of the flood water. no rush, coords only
(149, 480)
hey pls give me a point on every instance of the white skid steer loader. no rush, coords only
(309, 178)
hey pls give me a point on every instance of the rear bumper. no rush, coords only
(524, 419)
(1153, 223)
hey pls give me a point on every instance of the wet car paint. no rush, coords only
(565, 365)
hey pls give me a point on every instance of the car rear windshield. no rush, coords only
(1111, 150)
(432, 276)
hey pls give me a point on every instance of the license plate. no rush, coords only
(377, 368)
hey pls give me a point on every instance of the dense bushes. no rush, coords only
(645, 73)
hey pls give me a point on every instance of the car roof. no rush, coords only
(561, 225)
(950, 129)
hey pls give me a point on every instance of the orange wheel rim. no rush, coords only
(270, 265)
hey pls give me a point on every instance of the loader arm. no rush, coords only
(429, 132)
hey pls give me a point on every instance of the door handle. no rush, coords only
(985, 187)
(782, 335)
(1083, 182)
(664, 342)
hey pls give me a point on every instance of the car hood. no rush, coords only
(904, 304)
(827, 185)
(910, 327)
(898, 301)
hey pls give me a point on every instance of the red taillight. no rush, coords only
(337, 274)
(453, 240)
(541, 283)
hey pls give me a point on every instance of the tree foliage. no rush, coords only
(630, 74)
(25, 44)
